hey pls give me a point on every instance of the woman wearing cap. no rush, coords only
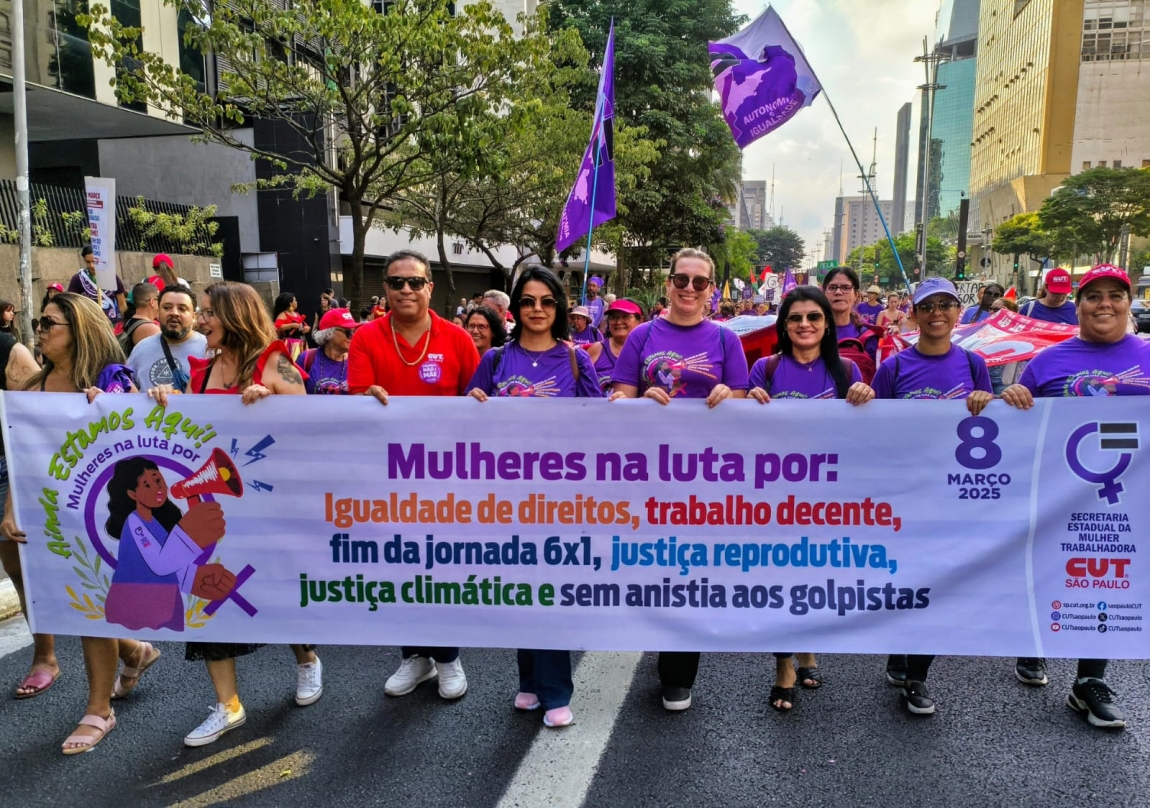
(680, 356)
(857, 340)
(249, 361)
(1103, 360)
(985, 307)
(538, 363)
(582, 332)
(622, 317)
(49, 293)
(870, 308)
(485, 326)
(325, 367)
(807, 366)
(164, 273)
(1055, 305)
(933, 368)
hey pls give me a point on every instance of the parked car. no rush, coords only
(1140, 311)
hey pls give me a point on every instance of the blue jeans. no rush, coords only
(438, 654)
(547, 674)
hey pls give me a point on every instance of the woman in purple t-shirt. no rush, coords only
(680, 356)
(841, 286)
(807, 366)
(538, 363)
(622, 316)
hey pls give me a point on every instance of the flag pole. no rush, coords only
(591, 218)
(862, 171)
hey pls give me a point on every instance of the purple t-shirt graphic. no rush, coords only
(586, 336)
(1078, 368)
(868, 313)
(910, 374)
(686, 361)
(525, 375)
(792, 379)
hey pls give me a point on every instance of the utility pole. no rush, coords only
(930, 62)
(23, 194)
(1124, 246)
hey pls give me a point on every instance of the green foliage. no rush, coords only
(779, 248)
(736, 255)
(191, 232)
(1086, 214)
(940, 258)
(41, 226)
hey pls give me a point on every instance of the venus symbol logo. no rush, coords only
(1113, 437)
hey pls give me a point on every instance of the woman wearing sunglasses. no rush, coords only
(81, 355)
(537, 362)
(680, 356)
(325, 367)
(807, 366)
(933, 368)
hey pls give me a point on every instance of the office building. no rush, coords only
(857, 224)
(901, 166)
(750, 209)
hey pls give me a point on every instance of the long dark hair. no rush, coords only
(282, 304)
(559, 328)
(125, 477)
(498, 332)
(828, 347)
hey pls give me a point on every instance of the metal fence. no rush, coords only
(55, 220)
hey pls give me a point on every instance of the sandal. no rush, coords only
(151, 655)
(786, 695)
(810, 675)
(85, 743)
(37, 682)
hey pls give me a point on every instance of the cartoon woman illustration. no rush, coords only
(159, 548)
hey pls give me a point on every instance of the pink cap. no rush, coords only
(337, 318)
(1057, 282)
(626, 306)
(1104, 271)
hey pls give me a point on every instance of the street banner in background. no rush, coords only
(762, 78)
(450, 522)
(101, 196)
(592, 198)
(1003, 338)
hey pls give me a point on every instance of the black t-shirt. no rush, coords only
(7, 343)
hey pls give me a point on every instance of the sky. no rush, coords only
(863, 54)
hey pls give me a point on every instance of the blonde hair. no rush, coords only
(248, 328)
(690, 252)
(94, 346)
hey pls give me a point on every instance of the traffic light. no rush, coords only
(960, 270)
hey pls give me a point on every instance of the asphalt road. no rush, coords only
(993, 741)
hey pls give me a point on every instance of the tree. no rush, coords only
(367, 95)
(780, 248)
(1023, 235)
(735, 256)
(1090, 209)
(939, 258)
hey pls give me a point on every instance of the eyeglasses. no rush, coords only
(698, 282)
(547, 303)
(840, 288)
(811, 317)
(479, 328)
(942, 305)
(44, 324)
(1114, 297)
(397, 282)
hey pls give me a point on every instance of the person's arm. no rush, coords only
(482, 382)
(175, 555)
(627, 375)
(149, 329)
(121, 298)
(588, 383)
(468, 356)
(594, 350)
(21, 365)
(8, 528)
(883, 381)
(280, 377)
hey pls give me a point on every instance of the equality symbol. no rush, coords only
(1113, 437)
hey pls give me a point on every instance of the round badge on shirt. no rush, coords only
(430, 372)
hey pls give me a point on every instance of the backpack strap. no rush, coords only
(309, 359)
(574, 363)
(496, 360)
(1028, 309)
(772, 365)
(973, 369)
(894, 381)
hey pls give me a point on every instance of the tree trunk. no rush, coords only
(445, 262)
(353, 276)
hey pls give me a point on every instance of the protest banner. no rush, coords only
(1002, 338)
(452, 522)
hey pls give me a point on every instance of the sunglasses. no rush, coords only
(942, 305)
(547, 303)
(44, 324)
(810, 317)
(698, 282)
(395, 283)
(347, 332)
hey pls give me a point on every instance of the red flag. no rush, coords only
(1004, 338)
(763, 275)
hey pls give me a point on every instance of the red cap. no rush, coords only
(163, 258)
(626, 306)
(1058, 282)
(1104, 271)
(337, 318)
(58, 287)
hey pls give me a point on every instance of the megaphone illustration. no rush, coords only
(218, 475)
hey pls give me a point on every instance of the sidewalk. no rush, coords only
(9, 603)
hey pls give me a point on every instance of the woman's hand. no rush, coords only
(161, 392)
(760, 395)
(92, 392)
(659, 394)
(720, 392)
(8, 529)
(378, 393)
(477, 394)
(1018, 397)
(976, 402)
(254, 393)
(859, 393)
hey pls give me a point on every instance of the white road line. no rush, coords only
(558, 768)
(13, 636)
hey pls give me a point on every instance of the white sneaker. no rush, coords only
(309, 683)
(413, 671)
(452, 680)
(218, 722)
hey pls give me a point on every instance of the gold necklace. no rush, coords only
(399, 352)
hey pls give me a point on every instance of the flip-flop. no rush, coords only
(41, 681)
(151, 655)
(88, 742)
(813, 674)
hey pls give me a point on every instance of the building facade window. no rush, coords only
(127, 13)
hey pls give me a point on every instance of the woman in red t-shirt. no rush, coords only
(291, 326)
(247, 360)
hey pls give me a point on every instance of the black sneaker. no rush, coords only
(918, 699)
(1031, 671)
(1095, 698)
(676, 699)
(896, 669)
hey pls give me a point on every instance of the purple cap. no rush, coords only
(935, 286)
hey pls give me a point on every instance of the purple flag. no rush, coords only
(789, 282)
(762, 78)
(595, 185)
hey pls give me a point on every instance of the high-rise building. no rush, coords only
(857, 224)
(901, 166)
(750, 211)
(1024, 108)
(1112, 117)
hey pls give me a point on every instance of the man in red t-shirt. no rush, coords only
(411, 351)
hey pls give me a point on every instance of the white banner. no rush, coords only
(894, 527)
(101, 195)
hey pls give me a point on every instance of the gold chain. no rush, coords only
(399, 352)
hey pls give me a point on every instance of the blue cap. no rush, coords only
(935, 286)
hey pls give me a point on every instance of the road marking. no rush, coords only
(13, 636)
(208, 762)
(280, 771)
(560, 765)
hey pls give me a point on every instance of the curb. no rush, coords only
(9, 601)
